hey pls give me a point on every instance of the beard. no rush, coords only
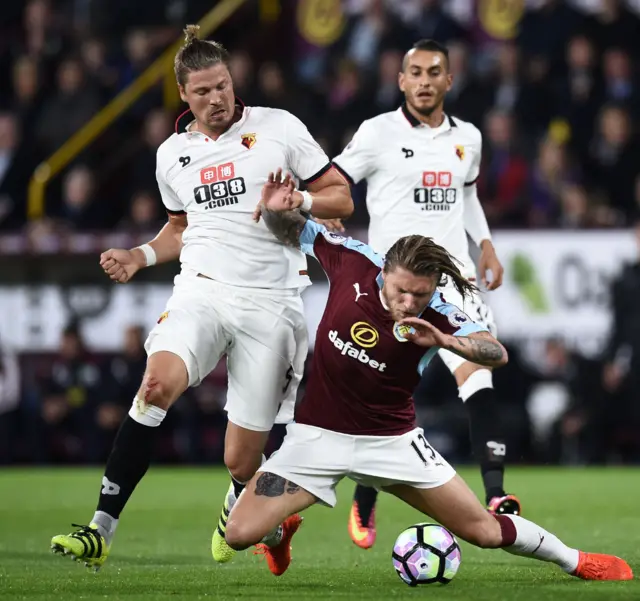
(427, 110)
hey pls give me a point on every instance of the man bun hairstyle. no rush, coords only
(428, 46)
(196, 54)
(423, 257)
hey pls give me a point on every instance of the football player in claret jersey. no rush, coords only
(238, 292)
(383, 322)
(421, 167)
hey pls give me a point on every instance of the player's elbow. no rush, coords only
(504, 357)
(346, 205)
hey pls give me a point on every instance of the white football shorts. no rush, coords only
(317, 460)
(262, 332)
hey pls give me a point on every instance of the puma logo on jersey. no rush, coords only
(184, 161)
(358, 293)
(408, 153)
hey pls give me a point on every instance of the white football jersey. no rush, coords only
(218, 184)
(415, 179)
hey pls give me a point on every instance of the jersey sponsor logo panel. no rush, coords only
(219, 186)
(436, 193)
(347, 349)
(210, 175)
(364, 334)
(436, 178)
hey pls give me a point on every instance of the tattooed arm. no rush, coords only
(481, 348)
(286, 226)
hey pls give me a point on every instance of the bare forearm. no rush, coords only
(167, 244)
(286, 226)
(331, 202)
(485, 351)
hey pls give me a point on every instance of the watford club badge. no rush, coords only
(163, 316)
(248, 140)
(460, 152)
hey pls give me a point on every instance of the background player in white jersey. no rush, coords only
(238, 292)
(421, 167)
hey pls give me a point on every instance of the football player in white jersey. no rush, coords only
(238, 292)
(421, 167)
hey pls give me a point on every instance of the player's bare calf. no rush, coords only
(266, 515)
(268, 501)
(456, 507)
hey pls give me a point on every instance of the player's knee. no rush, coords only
(484, 533)
(157, 390)
(241, 465)
(241, 535)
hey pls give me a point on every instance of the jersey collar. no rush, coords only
(416, 122)
(187, 118)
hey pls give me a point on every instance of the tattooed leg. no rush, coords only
(266, 502)
(270, 485)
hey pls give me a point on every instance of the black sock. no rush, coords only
(365, 498)
(238, 487)
(127, 464)
(487, 440)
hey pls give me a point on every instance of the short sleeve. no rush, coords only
(305, 156)
(474, 168)
(170, 199)
(357, 160)
(450, 319)
(330, 249)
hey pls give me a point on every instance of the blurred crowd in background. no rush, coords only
(553, 85)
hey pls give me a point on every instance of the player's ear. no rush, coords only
(183, 93)
(449, 81)
(401, 81)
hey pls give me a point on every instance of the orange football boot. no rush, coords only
(508, 504)
(596, 566)
(279, 557)
(363, 536)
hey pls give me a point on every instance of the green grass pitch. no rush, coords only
(161, 550)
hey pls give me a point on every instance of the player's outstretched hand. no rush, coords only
(424, 333)
(333, 225)
(277, 193)
(489, 262)
(120, 264)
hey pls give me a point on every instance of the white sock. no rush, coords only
(106, 525)
(274, 537)
(145, 414)
(533, 541)
(231, 496)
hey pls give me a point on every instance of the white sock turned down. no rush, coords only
(534, 541)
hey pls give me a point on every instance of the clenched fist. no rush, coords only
(121, 265)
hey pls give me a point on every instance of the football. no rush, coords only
(426, 554)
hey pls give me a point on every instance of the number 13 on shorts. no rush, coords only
(425, 451)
